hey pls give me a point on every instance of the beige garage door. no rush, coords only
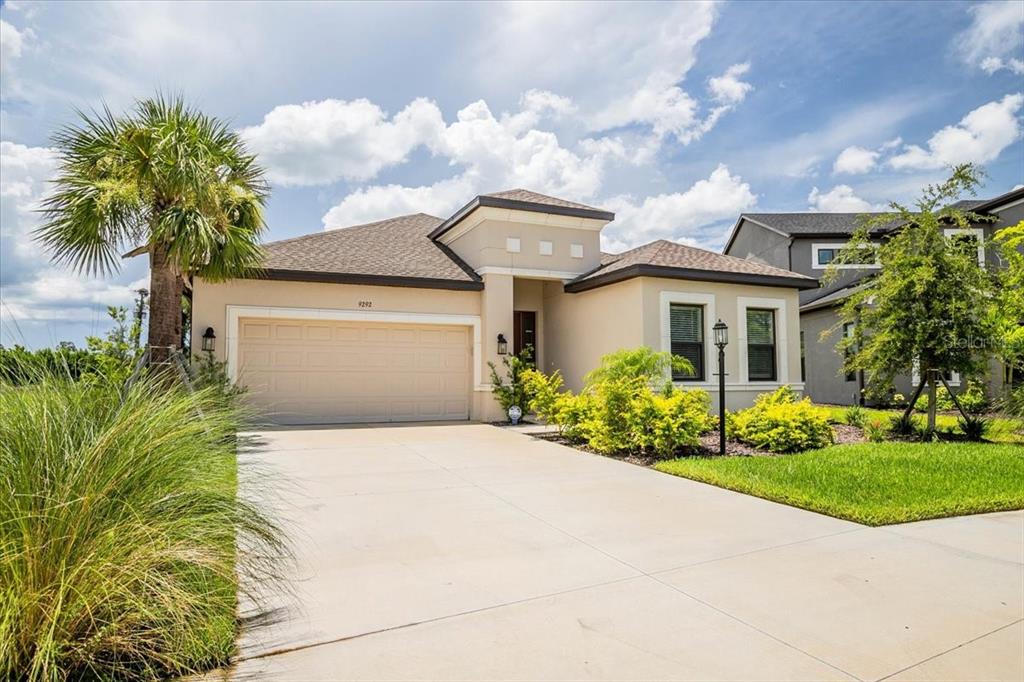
(321, 372)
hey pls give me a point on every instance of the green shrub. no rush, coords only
(876, 431)
(778, 422)
(974, 427)
(510, 389)
(855, 415)
(628, 405)
(122, 534)
(973, 399)
(942, 400)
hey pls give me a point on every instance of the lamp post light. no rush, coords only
(721, 331)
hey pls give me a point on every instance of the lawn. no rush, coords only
(874, 483)
(1002, 430)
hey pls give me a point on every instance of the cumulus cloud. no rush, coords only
(728, 88)
(491, 153)
(679, 216)
(11, 42)
(996, 33)
(839, 199)
(317, 143)
(854, 160)
(979, 137)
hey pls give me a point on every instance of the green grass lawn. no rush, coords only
(874, 483)
(1003, 430)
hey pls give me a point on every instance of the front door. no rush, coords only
(524, 331)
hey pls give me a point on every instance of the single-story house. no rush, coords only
(398, 319)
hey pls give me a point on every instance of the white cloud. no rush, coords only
(728, 88)
(492, 153)
(994, 35)
(679, 216)
(979, 138)
(855, 160)
(321, 142)
(11, 42)
(839, 199)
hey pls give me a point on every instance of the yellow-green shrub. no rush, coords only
(664, 423)
(778, 422)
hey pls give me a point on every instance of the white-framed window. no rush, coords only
(823, 254)
(686, 322)
(762, 340)
(545, 248)
(952, 378)
(975, 233)
(512, 244)
(576, 250)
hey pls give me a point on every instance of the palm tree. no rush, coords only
(167, 179)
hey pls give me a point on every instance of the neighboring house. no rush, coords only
(397, 320)
(807, 242)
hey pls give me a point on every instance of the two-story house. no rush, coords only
(397, 320)
(807, 242)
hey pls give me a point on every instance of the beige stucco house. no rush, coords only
(397, 320)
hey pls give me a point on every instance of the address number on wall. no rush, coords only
(365, 304)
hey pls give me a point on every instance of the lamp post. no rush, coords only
(721, 331)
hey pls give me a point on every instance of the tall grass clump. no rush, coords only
(122, 539)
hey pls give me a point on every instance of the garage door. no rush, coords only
(322, 372)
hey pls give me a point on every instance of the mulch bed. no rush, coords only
(708, 447)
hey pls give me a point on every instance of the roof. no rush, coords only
(834, 298)
(393, 252)
(998, 202)
(523, 200)
(678, 261)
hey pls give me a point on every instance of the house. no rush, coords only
(807, 242)
(397, 320)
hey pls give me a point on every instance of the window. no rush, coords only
(686, 329)
(973, 235)
(512, 244)
(823, 254)
(760, 344)
(546, 248)
(803, 358)
(848, 333)
(576, 250)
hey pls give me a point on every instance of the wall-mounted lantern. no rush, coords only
(209, 340)
(502, 345)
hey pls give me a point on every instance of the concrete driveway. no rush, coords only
(473, 552)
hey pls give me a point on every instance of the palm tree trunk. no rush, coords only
(165, 287)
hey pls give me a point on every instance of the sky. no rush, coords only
(677, 117)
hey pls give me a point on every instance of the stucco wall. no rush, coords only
(580, 328)
(759, 244)
(824, 382)
(485, 245)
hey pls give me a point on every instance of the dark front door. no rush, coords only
(525, 331)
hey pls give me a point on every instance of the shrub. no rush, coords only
(628, 405)
(973, 399)
(778, 422)
(974, 427)
(122, 536)
(855, 416)
(510, 389)
(903, 425)
(876, 431)
(942, 400)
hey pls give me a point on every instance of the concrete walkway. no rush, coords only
(471, 552)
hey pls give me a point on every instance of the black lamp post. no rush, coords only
(209, 339)
(721, 331)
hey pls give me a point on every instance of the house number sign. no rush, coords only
(365, 304)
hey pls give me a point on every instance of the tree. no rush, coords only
(168, 179)
(928, 307)
(1009, 311)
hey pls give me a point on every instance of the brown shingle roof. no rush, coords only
(669, 259)
(527, 196)
(397, 251)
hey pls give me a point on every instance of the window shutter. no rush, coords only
(686, 328)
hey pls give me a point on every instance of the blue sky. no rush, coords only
(676, 116)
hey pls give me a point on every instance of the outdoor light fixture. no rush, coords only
(209, 339)
(502, 345)
(721, 334)
(721, 331)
